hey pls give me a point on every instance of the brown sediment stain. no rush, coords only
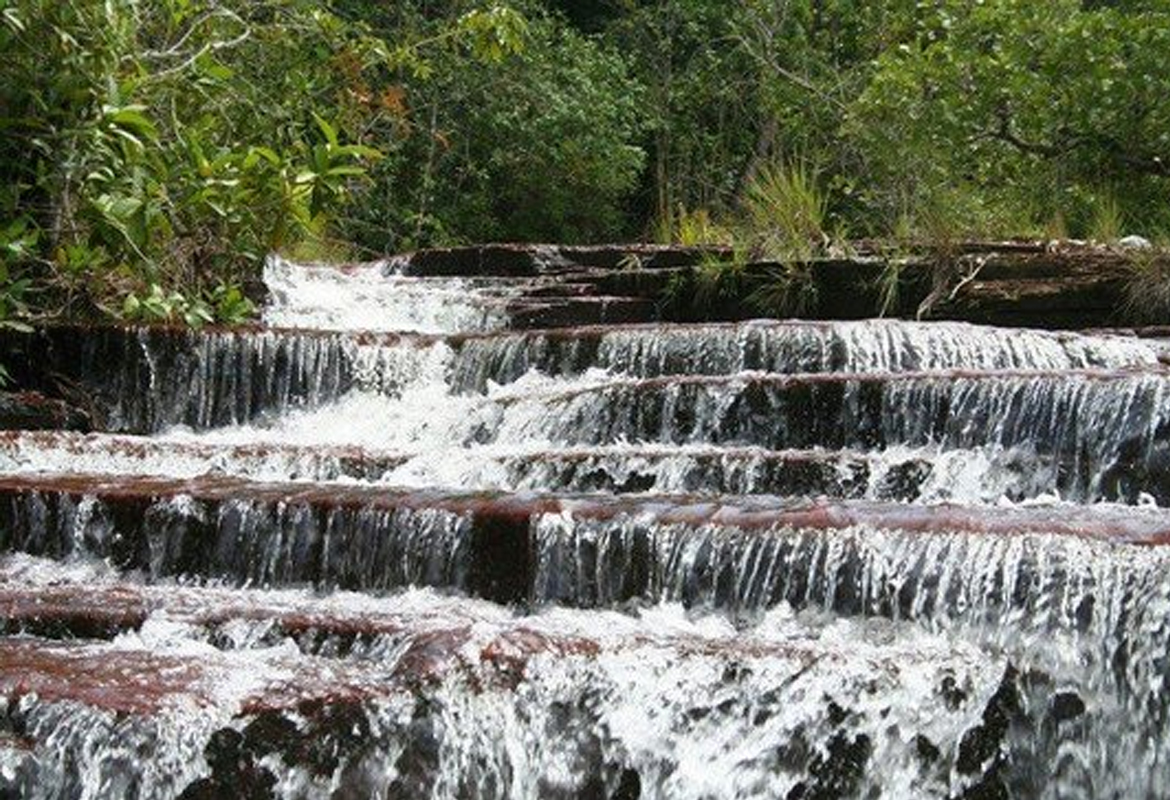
(132, 682)
(515, 511)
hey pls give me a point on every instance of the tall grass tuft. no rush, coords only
(1108, 219)
(785, 211)
(698, 227)
(1147, 286)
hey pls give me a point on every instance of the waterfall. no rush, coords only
(787, 347)
(371, 297)
(393, 543)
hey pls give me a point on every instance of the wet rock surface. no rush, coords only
(465, 524)
(393, 719)
(35, 411)
(491, 545)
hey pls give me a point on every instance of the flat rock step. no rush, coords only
(1128, 341)
(897, 475)
(425, 639)
(35, 411)
(137, 681)
(117, 454)
(421, 639)
(945, 376)
(787, 347)
(427, 633)
(1005, 284)
(40, 598)
(508, 548)
(525, 259)
(1105, 430)
(145, 379)
(1064, 300)
(1117, 524)
(575, 311)
(621, 469)
(1008, 283)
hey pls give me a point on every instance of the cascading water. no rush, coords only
(372, 297)
(388, 546)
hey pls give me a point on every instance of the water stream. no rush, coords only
(389, 546)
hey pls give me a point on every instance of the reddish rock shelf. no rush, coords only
(1118, 524)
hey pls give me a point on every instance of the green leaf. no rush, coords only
(255, 154)
(321, 160)
(328, 130)
(132, 120)
(358, 151)
(215, 70)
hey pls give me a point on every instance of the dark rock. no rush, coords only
(952, 693)
(927, 750)
(576, 311)
(500, 573)
(838, 774)
(984, 743)
(418, 764)
(140, 380)
(234, 772)
(34, 411)
(513, 260)
(501, 260)
(1008, 283)
(629, 786)
(1067, 706)
(904, 481)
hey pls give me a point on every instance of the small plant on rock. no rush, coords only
(785, 212)
(1147, 285)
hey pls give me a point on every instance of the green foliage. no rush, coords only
(151, 153)
(173, 144)
(158, 305)
(1035, 110)
(786, 289)
(889, 286)
(225, 303)
(948, 118)
(699, 102)
(782, 220)
(785, 210)
(494, 34)
(715, 280)
(489, 35)
(1108, 220)
(1147, 286)
(696, 228)
(541, 145)
(17, 241)
(159, 146)
(230, 305)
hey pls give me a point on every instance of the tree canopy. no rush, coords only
(153, 152)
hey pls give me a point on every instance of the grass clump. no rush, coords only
(1147, 285)
(781, 222)
(785, 212)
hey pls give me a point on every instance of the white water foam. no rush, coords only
(369, 298)
(688, 702)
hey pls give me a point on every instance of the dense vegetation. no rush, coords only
(153, 152)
